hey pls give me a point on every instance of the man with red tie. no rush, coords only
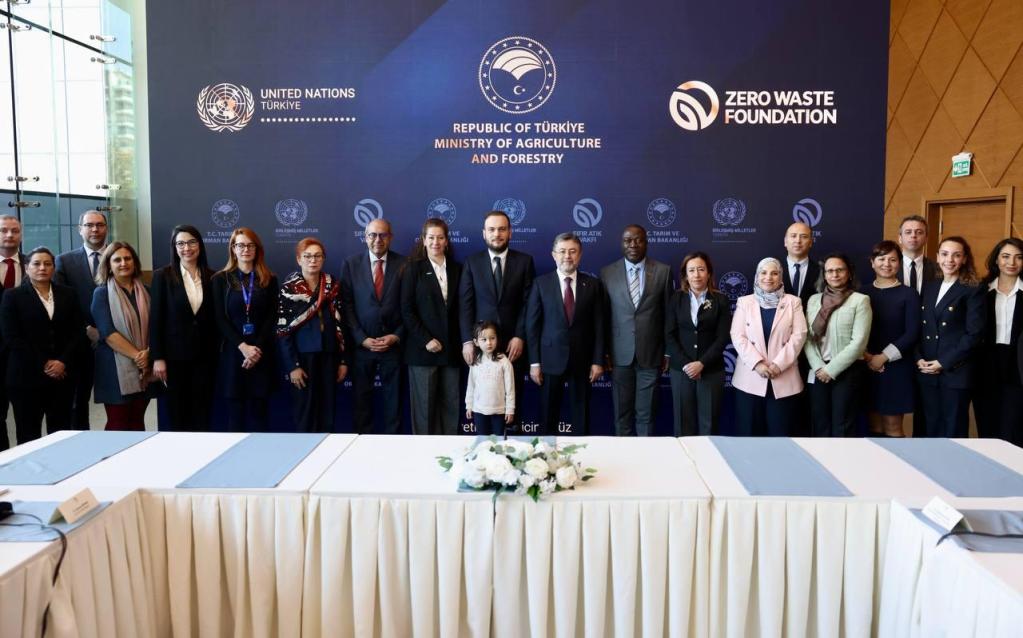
(565, 337)
(12, 269)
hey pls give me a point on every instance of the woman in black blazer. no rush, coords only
(44, 331)
(696, 349)
(998, 402)
(183, 336)
(952, 324)
(245, 308)
(429, 307)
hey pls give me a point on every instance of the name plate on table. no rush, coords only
(32, 526)
(995, 531)
(75, 507)
(945, 516)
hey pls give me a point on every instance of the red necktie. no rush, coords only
(378, 278)
(9, 275)
(569, 301)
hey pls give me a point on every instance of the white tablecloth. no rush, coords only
(394, 550)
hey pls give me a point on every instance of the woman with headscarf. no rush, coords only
(839, 325)
(768, 331)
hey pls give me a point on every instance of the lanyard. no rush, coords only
(247, 292)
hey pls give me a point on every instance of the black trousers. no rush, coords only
(487, 424)
(946, 410)
(189, 395)
(52, 400)
(364, 370)
(255, 409)
(766, 415)
(833, 406)
(697, 403)
(999, 411)
(4, 441)
(85, 370)
(551, 393)
(313, 407)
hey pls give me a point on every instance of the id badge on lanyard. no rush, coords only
(248, 328)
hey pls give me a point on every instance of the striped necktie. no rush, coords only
(634, 285)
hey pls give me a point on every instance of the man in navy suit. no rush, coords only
(495, 287)
(799, 277)
(565, 335)
(12, 271)
(371, 293)
(77, 269)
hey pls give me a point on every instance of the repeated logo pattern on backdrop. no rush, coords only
(553, 112)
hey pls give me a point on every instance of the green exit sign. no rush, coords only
(961, 164)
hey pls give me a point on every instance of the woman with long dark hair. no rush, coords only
(183, 336)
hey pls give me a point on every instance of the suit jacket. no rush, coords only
(951, 332)
(72, 269)
(479, 299)
(175, 332)
(993, 365)
(847, 333)
(636, 333)
(788, 333)
(33, 338)
(366, 315)
(555, 345)
(930, 273)
(706, 341)
(427, 316)
(809, 279)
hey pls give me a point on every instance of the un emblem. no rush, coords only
(690, 113)
(366, 211)
(587, 212)
(734, 285)
(808, 211)
(515, 209)
(291, 212)
(442, 208)
(729, 211)
(517, 74)
(225, 107)
(225, 213)
(661, 212)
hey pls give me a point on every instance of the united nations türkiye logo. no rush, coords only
(225, 107)
(587, 212)
(661, 212)
(517, 74)
(291, 212)
(366, 211)
(442, 208)
(808, 211)
(729, 211)
(734, 285)
(225, 213)
(515, 209)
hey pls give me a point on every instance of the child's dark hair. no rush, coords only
(476, 332)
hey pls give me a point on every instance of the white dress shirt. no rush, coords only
(373, 264)
(561, 284)
(945, 285)
(695, 301)
(504, 260)
(919, 261)
(802, 272)
(641, 270)
(441, 270)
(1005, 306)
(47, 300)
(193, 289)
(17, 269)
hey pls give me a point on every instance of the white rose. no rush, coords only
(472, 476)
(511, 477)
(526, 480)
(484, 447)
(547, 486)
(497, 466)
(537, 468)
(542, 448)
(518, 450)
(566, 476)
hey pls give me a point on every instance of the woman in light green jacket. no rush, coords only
(839, 325)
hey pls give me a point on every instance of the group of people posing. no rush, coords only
(814, 349)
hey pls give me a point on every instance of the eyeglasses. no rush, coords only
(836, 271)
(191, 243)
(94, 226)
(312, 256)
(570, 252)
(243, 247)
(376, 236)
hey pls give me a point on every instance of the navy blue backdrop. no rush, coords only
(715, 125)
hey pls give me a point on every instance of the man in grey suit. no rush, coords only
(637, 289)
(77, 268)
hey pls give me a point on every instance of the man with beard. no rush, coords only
(799, 276)
(495, 287)
(12, 271)
(565, 336)
(77, 268)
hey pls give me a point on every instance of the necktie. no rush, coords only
(796, 281)
(912, 275)
(95, 262)
(569, 301)
(9, 275)
(378, 278)
(498, 277)
(634, 286)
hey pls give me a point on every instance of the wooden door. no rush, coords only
(981, 224)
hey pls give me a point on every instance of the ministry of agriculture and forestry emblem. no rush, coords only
(515, 209)
(225, 213)
(734, 285)
(661, 212)
(517, 74)
(225, 107)
(729, 211)
(291, 212)
(442, 208)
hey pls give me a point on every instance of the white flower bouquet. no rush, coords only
(536, 467)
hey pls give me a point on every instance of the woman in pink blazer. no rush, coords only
(768, 331)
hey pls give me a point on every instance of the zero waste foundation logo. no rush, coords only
(514, 208)
(587, 212)
(366, 211)
(729, 211)
(808, 211)
(689, 112)
(225, 213)
(517, 74)
(730, 356)
(291, 212)
(225, 107)
(442, 208)
(661, 212)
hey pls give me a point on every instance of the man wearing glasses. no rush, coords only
(77, 269)
(371, 295)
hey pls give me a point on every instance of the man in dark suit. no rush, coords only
(565, 335)
(635, 292)
(916, 269)
(799, 276)
(12, 270)
(77, 269)
(371, 293)
(495, 287)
